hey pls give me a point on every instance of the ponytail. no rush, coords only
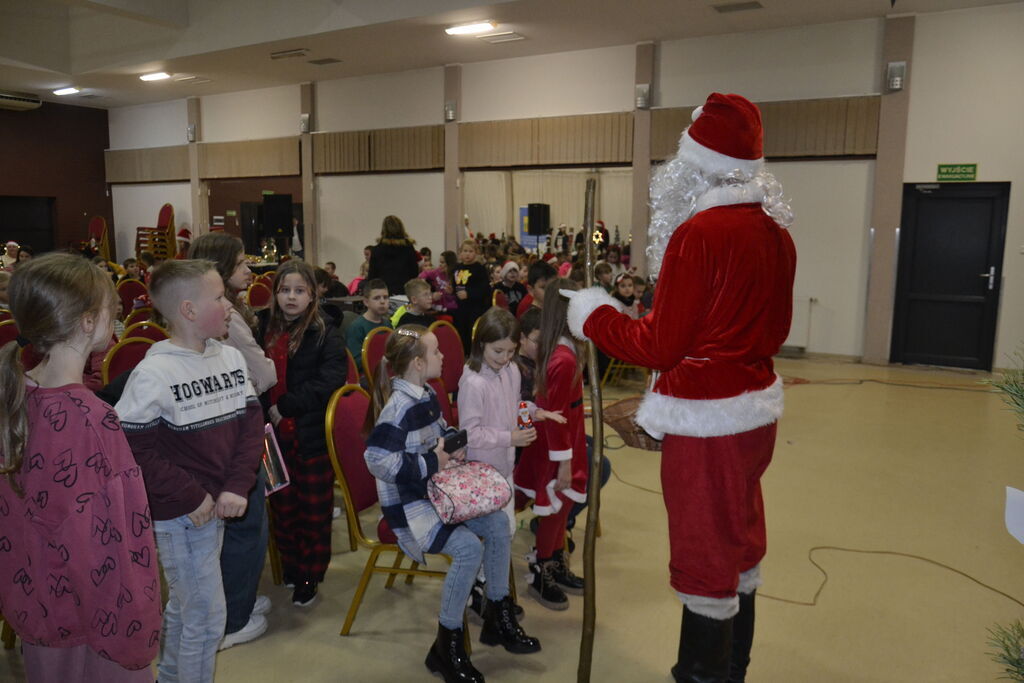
(404, 344)
(13, 415)
(379, 396)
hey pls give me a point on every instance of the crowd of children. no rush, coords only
(174, 466)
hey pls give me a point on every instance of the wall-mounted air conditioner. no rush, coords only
(18, 101)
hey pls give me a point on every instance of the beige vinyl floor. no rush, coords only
(887, 560)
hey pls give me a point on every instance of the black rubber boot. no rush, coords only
(705, 645)
(566, 580)
(502, 628)
(742, 638)
(448, 657)
(543, 586)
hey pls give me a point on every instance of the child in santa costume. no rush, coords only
(184, 239)
(722, 309)
(553, 469)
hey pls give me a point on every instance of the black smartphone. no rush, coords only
(455, 441)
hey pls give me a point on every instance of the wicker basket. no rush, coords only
(620, 417)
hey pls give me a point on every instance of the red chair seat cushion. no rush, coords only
(384, 532)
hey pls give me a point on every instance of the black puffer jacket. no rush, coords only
(317, 369)
(393, 261)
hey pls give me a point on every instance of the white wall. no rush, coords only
(395, 100)
(353, 206)
(965, 106)
(251, 114)
(581, 82)
(829, 60)
(832, 204)
(139, 205)
(162, 124)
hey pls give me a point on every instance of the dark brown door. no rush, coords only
(949, 274)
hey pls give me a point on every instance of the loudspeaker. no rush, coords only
(539, 219)
(277, 215)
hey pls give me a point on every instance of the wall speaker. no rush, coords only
(539, 216)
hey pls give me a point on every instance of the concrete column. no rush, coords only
(310, 198)
(453, 202)
(887, 195)
(198, 189)
(642, 158)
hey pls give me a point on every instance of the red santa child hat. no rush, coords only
(725, 135)
(185, 235)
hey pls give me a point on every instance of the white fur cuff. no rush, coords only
(713, 608)
(750, 580)
(585, 302)
(660, 414)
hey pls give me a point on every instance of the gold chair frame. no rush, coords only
(364, 353)
(105, 372)
(356, 535)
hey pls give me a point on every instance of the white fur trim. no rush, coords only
(558, 456)
(585, 302)
(750, 580)
(728, 195)
(544, 510)
(713, 162)
(660, 415)
(574, 495)
(713, 608)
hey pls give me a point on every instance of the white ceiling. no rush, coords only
(101, 46)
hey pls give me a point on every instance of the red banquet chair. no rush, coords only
(259, 295)
(345, 446)
(138, 315)
(373, 350)
(123, 356)
(128, 290)
(447, 409)
(450, 343)
(8, 331)
(147, 329)
(499, 299)
(352, 375)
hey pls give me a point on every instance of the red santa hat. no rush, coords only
(185, 235)
(725, 135)
(509, 265)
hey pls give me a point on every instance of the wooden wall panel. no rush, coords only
(249, 158)
(839, 126)
(498, 143)
(347, 152)
(402, 149)
(154, 164)
(587, 139)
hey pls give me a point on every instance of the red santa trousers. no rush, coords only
(712, 491)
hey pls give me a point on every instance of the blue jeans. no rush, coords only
(467, 551)
(194, 617)
(243, 555)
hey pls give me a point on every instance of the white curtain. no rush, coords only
(615, 200)
(487, 199)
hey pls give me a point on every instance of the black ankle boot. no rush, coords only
(567, 581)
(448, 657)
(704, 648)
(502, 628)
(742, 638)
(543, 586)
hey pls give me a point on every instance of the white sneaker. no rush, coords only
(336, 513)
(256, 627)
(262, 605)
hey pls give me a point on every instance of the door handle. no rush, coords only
(991, 275)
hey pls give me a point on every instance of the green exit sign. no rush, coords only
(957, 172)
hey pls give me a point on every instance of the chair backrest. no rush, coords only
(129, 289)
(265, 280)
(165, 219)
(146, 329)
(259, 295)
(450, 343)
(123, 356)
(352, 376)
(8, 331)
(97, 227)
(446, 402)
(138, 315)
(499, 299)
(6, 315)
(373, 350)
(343, 423)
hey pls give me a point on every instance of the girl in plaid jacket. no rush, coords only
(406, 447)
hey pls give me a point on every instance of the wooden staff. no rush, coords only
(594, 481)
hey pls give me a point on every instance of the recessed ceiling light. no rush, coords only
(159, 76)
(182, 79)
(324, 61)
(471, 29)
(285, 54)
(65, 91)
(503, 37)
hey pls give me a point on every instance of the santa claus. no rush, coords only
(722, 309)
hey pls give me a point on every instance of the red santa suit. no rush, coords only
(537, 471)
(722, 308)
